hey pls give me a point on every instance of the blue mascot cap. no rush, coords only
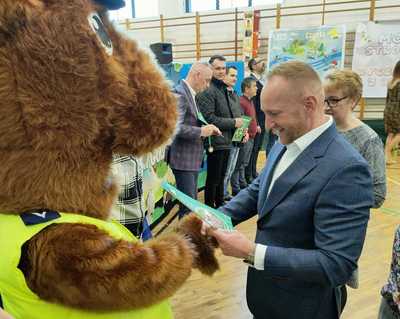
(111, 4)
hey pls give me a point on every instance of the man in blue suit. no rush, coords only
(185, 153)
(312, 199)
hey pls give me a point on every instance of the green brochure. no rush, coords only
(209, 215)
(240, 131)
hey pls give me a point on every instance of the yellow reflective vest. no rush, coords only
(22, 303)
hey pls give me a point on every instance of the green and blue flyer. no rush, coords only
(209, 215)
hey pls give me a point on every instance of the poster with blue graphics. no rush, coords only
(321, 47)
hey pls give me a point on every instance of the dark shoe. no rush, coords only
(243, 186)
(227, 198)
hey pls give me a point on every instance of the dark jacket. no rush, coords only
(257, 103)
(217, 108)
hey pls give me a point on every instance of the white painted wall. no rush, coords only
(172, 8)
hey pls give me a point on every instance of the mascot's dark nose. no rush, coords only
(111, 4)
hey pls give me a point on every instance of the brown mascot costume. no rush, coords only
(73, 92)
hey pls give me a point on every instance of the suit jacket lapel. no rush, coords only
(273, 158)
(296, 171)
(190, 98)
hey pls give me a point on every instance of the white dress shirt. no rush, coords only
(293, 150)
(193, 93)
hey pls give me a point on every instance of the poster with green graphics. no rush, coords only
(241, 131)
(209, 215)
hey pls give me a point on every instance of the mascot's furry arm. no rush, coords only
(101, 273)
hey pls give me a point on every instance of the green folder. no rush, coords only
(209, 215)
(240, 131)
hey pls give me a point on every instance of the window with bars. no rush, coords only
(136, 9)
(201, 5)
(227, 4)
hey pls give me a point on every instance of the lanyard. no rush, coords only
(201, 118)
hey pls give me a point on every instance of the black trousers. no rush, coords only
(251, 168)
(217, 163)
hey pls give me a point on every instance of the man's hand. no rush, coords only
(245, 138)
(233, 244)
(238, 122)
(258, 129)
(209, 130)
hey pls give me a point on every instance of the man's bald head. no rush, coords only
(199, 67)
(199, 76)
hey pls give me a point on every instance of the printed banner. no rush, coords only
(376, 51)
(248, 35)
(256, 32)
(251, 34)
(321, 47)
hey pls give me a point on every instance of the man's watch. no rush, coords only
(250, 257)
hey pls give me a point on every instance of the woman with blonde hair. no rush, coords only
(392, 115)
(343, 90)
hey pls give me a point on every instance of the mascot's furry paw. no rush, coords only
(205, 246)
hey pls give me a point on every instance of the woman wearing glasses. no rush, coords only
(343, 90)
(392, 115)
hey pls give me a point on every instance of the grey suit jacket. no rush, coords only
(186, 151)
(313, 222)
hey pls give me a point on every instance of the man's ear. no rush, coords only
(310, 103)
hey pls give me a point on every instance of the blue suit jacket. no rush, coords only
(186, 151)
(314, 223)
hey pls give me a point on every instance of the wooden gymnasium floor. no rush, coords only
(223, 296)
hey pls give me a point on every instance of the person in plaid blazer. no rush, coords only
(185, 153)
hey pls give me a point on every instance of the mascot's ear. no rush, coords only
(111, 4)
(14, 14)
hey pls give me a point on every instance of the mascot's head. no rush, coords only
(111, 4)
(72, 92)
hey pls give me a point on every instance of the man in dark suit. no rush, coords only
(186, 151)
(312, 199)
(216, 106)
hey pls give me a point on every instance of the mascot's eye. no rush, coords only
(98, 27)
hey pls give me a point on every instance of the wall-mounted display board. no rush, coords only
(376, 51)
(321, 47)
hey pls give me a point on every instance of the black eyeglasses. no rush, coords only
(334, 101)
